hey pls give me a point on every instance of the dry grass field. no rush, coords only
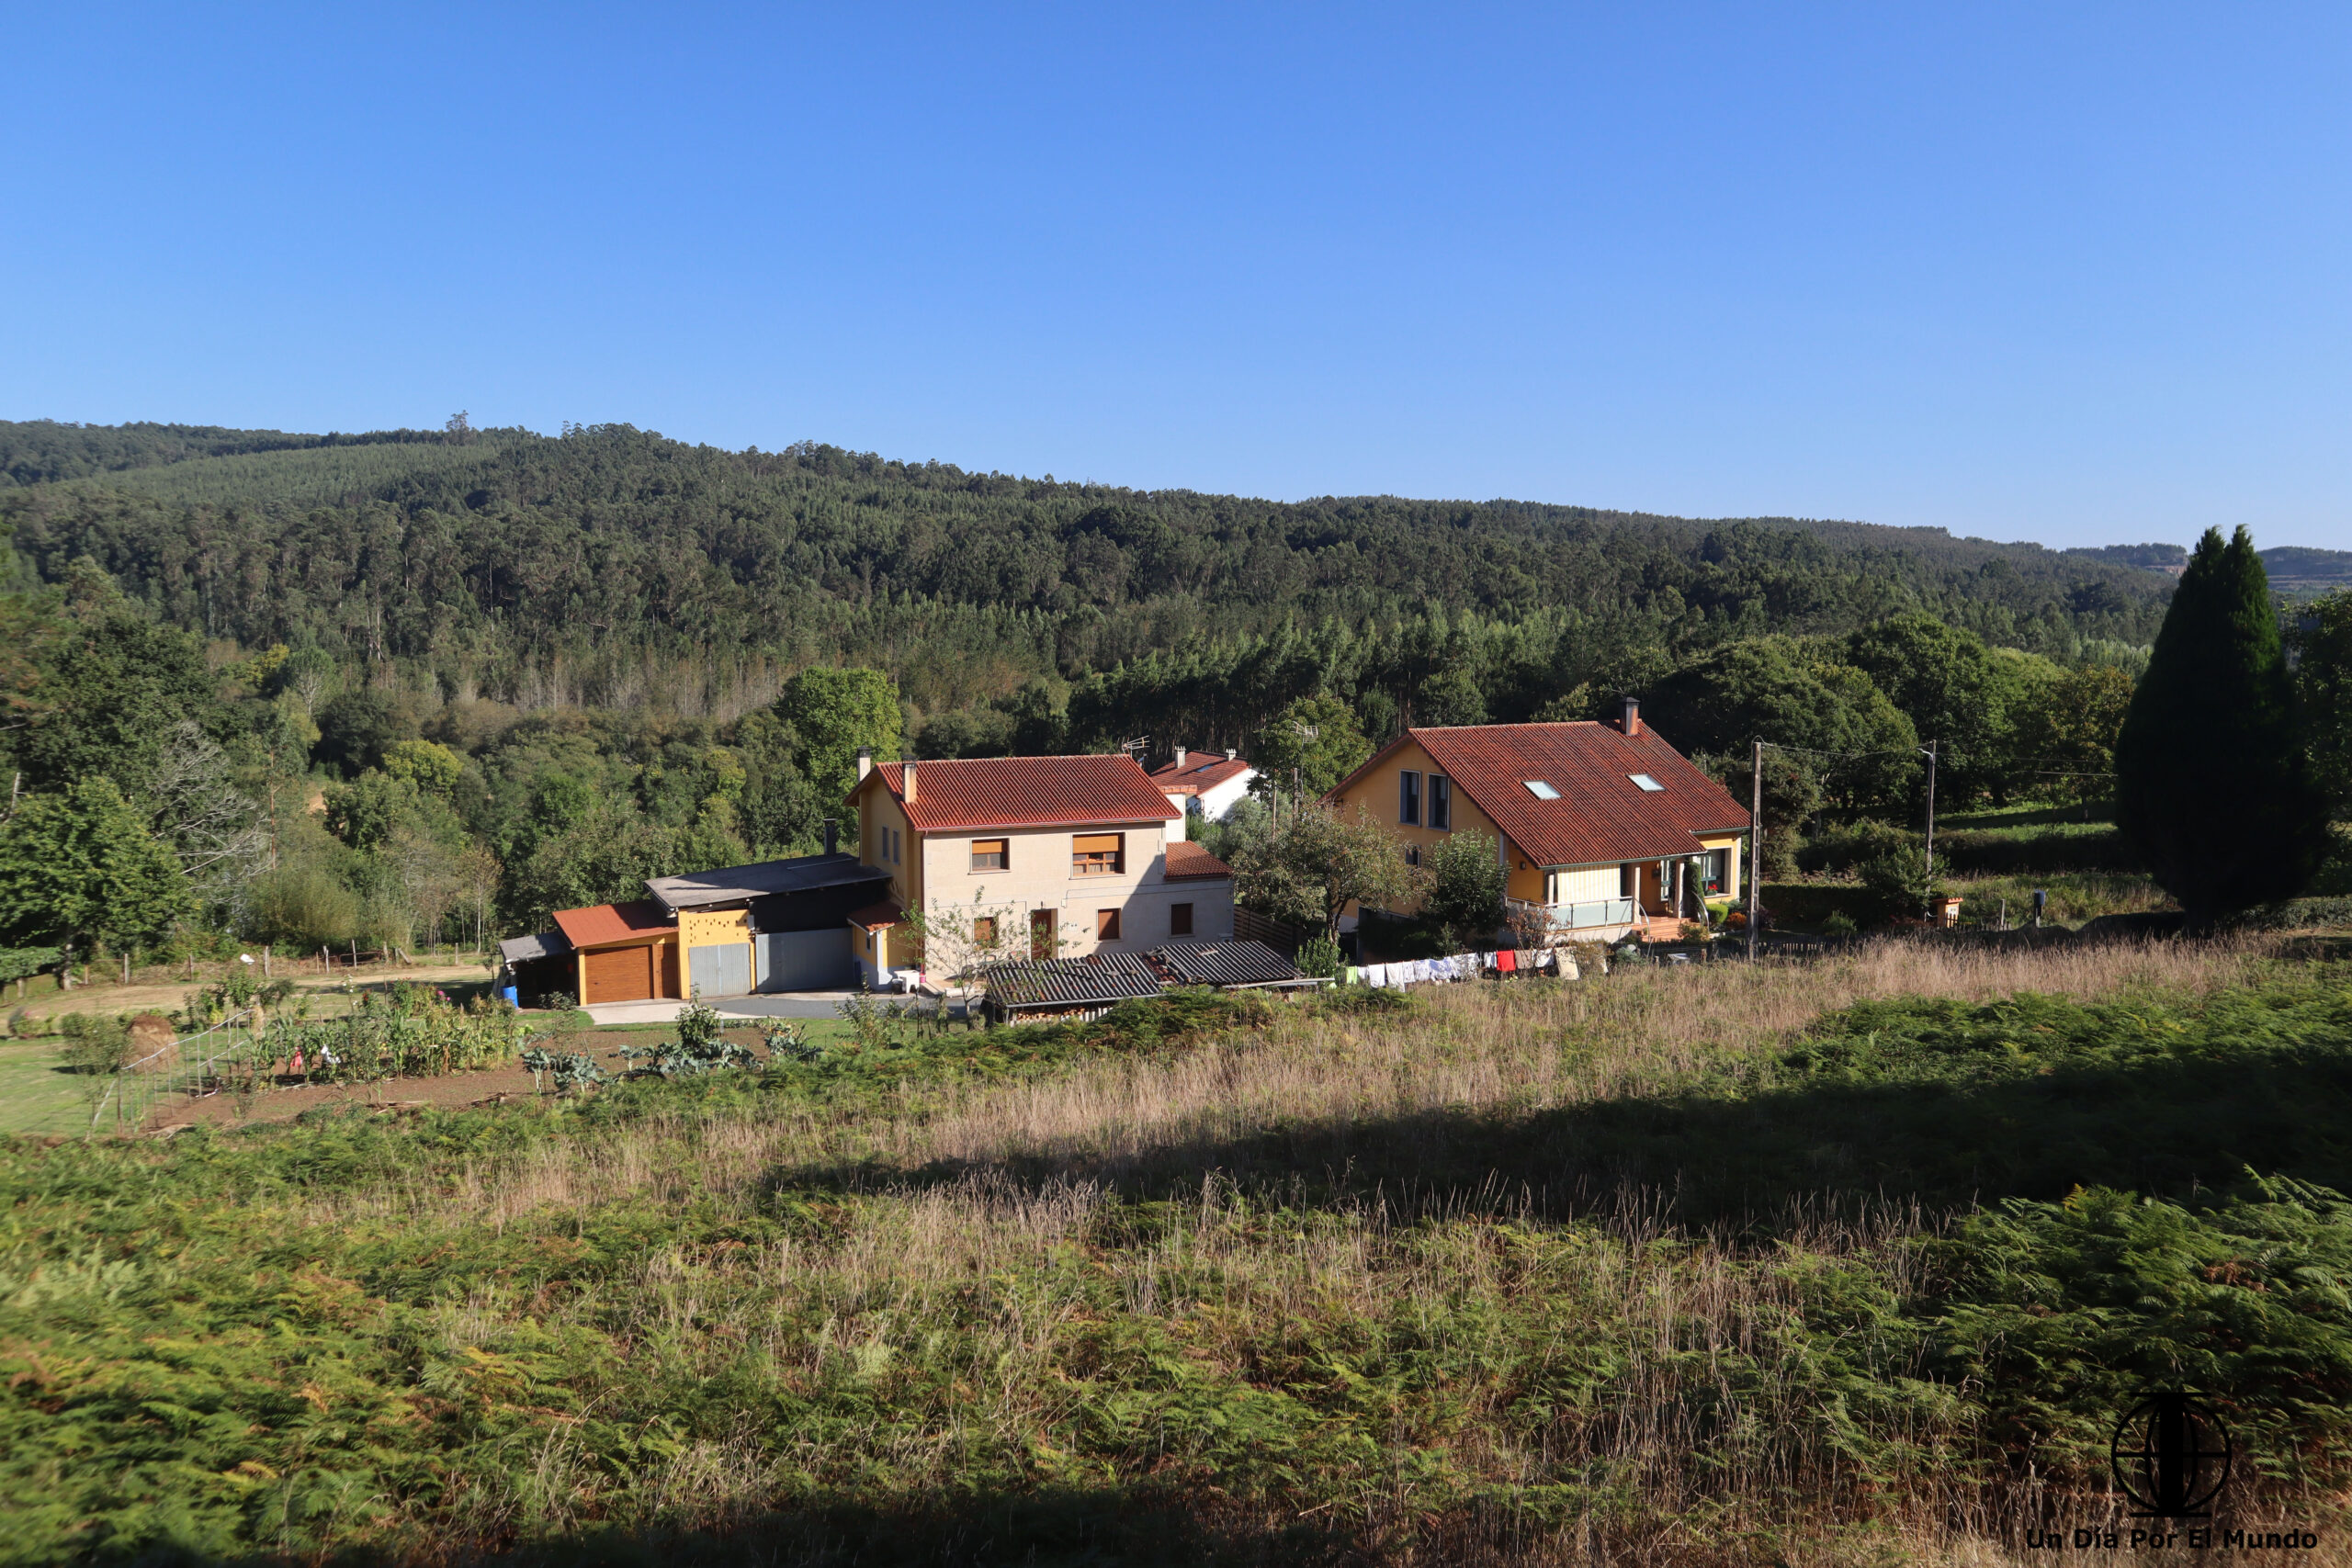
(1840, 1263)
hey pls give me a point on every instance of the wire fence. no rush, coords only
(189, 1065)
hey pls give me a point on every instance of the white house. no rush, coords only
(1204, 785)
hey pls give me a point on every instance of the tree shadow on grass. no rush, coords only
(1748, 1162)
(993, 1529)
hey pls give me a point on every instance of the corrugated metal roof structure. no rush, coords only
(1238, 963)
(601, 923)
(1598, 815)
(1187, 861)
(972, 793)
(522, 949)
(1096, 980)
(740, 884)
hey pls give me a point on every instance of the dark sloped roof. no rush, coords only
(1070, 982)
(1187, 861)
(973, 793)
(1236, 963)
(736, 884)
(522, 949)
(1602, 814)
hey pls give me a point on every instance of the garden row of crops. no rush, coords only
(411, 1031)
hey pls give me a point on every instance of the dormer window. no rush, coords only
(1647, 784)
(1541, 790)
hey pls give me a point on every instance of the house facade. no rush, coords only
(1603, 829)
(1019, 857)
(1207, 784)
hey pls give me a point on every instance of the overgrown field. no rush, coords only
(1854, 1262)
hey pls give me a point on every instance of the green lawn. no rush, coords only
(35, 1097)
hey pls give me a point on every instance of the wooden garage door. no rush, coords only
(622, 974)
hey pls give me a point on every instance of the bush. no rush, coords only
(1897, 883)
(1319, 956)
(94, 1044)
(1843, 848)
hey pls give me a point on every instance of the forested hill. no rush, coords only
(499, 558)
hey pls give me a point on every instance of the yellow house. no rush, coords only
(1602, 828)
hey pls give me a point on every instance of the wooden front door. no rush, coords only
(619, 975)
(1044, 932)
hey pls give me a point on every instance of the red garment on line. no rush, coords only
(1506, 961)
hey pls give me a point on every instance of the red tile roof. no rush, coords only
(1202, 771)
(1601, 814)
(601, 923)
(875, 917)
(962, 796)
(1187, 861)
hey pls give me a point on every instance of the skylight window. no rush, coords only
(1541, 790)
(1649, 785)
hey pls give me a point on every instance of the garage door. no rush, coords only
(621, 975)
(805, 960)
(721, 971)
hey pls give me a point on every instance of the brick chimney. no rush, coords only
(865, 761)
(1629, 714)
(907, 781)
(1181, 755)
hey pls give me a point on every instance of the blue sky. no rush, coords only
(2076, 274)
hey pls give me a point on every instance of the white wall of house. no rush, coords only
(1585, 883)
(1217, 801)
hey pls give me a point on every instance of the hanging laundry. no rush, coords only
(1506, 961)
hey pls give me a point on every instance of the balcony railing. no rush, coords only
(1555, 918)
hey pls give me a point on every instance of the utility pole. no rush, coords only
(1931, 810)
(1755, 846)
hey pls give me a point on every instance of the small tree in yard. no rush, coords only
(1319, 863)
(1466, 879)
(2213, 785)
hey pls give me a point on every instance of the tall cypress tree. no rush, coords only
(2213, 784)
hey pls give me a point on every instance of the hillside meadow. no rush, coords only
(1847, 1262)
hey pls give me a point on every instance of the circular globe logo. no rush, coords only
(2171, 1456)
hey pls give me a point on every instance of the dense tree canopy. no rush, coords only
(367, 687)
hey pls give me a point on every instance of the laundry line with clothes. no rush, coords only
(1460, 966)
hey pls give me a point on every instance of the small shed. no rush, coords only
(538, 965)
(1234, 965)
(1023, 990)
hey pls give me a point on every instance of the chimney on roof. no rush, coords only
(1231, 754)
(907, 781)
(1181, 755)
(1629, 714)
(865, 761)
(832, 835)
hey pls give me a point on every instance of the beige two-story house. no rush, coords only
(1023, 857)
